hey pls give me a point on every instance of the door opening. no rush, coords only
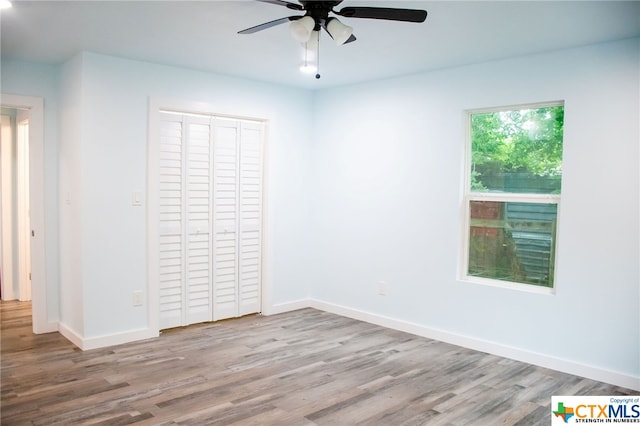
(15, 224)
(29, 129)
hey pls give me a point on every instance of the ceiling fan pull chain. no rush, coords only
(318, 56)
(306, 54)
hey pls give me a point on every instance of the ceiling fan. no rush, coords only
(306, 28)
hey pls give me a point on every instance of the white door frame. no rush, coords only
(35, 105)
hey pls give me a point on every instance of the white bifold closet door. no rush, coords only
(210, 183)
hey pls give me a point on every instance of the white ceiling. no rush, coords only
(203, 35)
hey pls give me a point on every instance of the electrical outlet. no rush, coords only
(137, 298)
(382, 288)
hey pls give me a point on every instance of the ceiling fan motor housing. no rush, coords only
(319, 11)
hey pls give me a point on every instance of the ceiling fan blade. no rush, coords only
(391, 14)
(293, 6)
(269, 25)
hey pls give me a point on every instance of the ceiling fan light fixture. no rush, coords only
(306, 29)
(302, 28)
(339, 31)
(5, 4)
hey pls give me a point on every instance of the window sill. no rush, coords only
(528, 288)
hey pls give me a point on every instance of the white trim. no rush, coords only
(287, 307)
(530, 288)
(266, 293)
(37, 202)
(70, 334)
(513, 197)
(153, 214)
(118, 338)
(502, 108)
(518, 354)
(206, 109)
(106, 340)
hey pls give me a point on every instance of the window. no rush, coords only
(513, 185)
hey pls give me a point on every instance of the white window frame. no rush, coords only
(469, 196)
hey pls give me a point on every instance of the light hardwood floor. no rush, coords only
(300, 368)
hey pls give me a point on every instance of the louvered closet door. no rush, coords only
(210, 182)
(237, 217)
(185, 220)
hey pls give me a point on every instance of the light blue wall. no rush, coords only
(388, 170)
(115, 108)
(71, 251)
(97, 106)
(364, 184)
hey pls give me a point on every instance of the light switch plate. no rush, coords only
(136, 199)
(137, 298)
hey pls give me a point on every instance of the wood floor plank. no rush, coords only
(300, 368)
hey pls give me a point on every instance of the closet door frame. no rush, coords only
(156, 105)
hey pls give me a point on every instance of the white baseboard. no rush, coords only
(542, 360)
(287, 307)
(70, 334)
(118, 338)
(89, 343)
(48, 327)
